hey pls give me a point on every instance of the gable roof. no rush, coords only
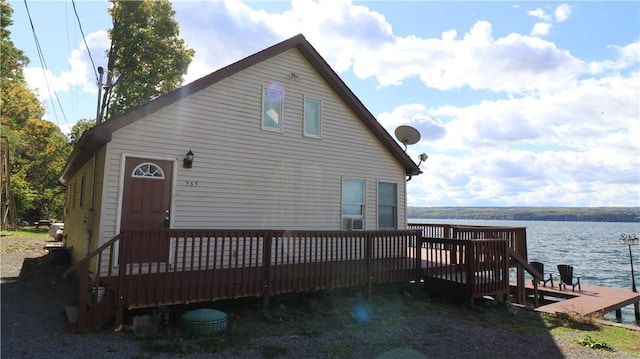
(95, 138)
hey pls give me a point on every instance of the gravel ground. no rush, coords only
(394, 325)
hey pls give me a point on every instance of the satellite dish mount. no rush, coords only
(407, 135)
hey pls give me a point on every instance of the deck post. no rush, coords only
(418, 254)
(369, 260)
(266, 270)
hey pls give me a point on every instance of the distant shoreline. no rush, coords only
(575, 214)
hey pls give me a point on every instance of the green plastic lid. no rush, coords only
(204, 315)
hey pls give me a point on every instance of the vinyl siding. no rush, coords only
(248, 178)
(77, 235)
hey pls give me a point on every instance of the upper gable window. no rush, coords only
(147, 170)
(272, 99)
(312, 117)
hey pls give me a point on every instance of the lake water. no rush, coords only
(592, 248)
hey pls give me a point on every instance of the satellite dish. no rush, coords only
(407, 135)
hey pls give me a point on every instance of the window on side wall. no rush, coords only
(272, 99)
(82, 191)
(312, 117)
(353, 206)
(387, 205)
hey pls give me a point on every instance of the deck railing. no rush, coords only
(153, 268)
(144, 269)
(466, 268)
(516, 236)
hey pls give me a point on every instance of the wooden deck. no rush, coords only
(591, 300)
(213, 264)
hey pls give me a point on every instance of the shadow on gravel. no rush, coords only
(325, 324)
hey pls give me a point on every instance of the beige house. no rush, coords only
(278, 142)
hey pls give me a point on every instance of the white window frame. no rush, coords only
(278, 110)
(305, 131)
(353, 222)
(148, 170)
(394, 206)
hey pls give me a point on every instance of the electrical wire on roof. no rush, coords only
(44, 67)
(84, 39)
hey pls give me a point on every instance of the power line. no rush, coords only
(45, 68)
(84, 39)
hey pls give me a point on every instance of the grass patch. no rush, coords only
(30, 232)
(330, 318)
(25, 239)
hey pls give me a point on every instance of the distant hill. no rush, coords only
(584, 214)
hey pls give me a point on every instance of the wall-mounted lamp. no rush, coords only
(423, 157)
(188, 160)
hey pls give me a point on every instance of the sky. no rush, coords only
(518, 103)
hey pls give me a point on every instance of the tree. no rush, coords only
(12, 60)
(147, 52)
(38, 147)
(17, 101)
(78, 129)
(39, 155)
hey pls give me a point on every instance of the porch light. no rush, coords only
(188, 160)
(423, 157)
(631, 240)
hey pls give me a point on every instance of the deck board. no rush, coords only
(591, 300)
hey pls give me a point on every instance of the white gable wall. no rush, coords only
(244, 177)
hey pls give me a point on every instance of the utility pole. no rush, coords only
(103, 99)
(9, 220)
(99, 110)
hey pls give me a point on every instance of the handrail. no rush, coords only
(537, 276)
(527, 266)
(89, 256)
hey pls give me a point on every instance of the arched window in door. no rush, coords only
(148, 170)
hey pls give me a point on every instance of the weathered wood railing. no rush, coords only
(148, 269)
(469, 268)
(144, 269)
(517, 254)
(517, 236)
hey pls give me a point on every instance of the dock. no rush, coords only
(591, 300)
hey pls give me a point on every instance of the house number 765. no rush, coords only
(191, 183)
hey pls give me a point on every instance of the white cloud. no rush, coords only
(562, 13)
(415, 115)
(340, 29)
(80, 75)
(572, 147)
(541, 29)
(540, 14)
(628, 57)
(353, 37)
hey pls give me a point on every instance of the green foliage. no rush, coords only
(78, 129)
(12, 60)
(19, 104)
(593, 343)
(39, 154)
(37, 148)
(147, 51)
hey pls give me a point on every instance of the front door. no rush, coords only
(146, 201)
